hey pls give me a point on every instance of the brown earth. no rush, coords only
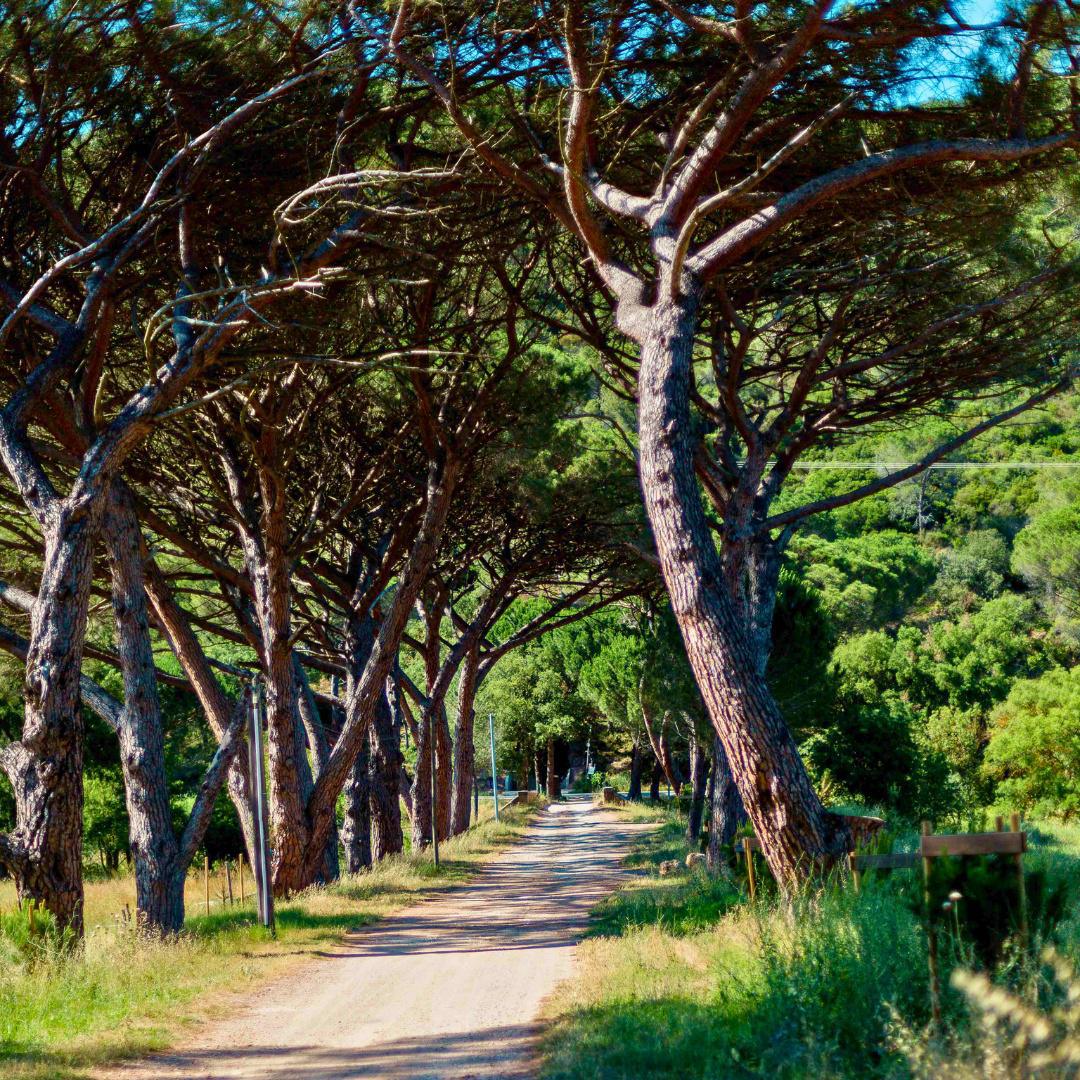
(448, 988)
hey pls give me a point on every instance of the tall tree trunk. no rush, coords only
(159, 881)
(552, 776)
(217, 708)
(794, 829)
(444, 774)
(285, 742)
(636, 766)
(262, 527)
(537, 769)
(356, 791)
(421, 785)
(699, 781)
(726, 807)
(356, 823)
(386, 768)
(45, 767)
(363, 696)
(654, 782)
(313, 737)
(464, 745)
(658, 740)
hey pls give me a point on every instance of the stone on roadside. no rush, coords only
(669, 867)
(695, 858)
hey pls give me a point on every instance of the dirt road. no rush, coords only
(449, 988)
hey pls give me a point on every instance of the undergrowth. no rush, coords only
(683, 978)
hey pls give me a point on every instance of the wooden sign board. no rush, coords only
(989, 843)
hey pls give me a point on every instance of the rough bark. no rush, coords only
(658, 740)
(356, 792)
(45, 767)
(218, 709)
(553, 791)
(464, 745)
(654, 782)
(795, 830)
(386, 767)
(636, 767)
(288, 826)
(159, 879)
(356, 822)
(261, 524)
(310, 736)
(433, 721)
(726, 807)
(363, 697)
(699, 782)
(421, 785)
(444, 775)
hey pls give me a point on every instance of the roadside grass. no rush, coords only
(62, 1016)
(681, 977)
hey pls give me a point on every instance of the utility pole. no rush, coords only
(494, 779)
(257, 779)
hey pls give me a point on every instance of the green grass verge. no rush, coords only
(683, 978)
(121, 996)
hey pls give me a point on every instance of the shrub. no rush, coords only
(29, 934)
(1034, 749)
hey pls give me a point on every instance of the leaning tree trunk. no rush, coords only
(636, 767)
(699, 781)
(726, 808)
(159, 880)
(795, 830)
(356, 822)
(385, 772)
(464, 745)
(45, 767)
(552, 776)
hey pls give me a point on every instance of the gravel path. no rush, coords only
(448, 988)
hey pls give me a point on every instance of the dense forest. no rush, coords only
(923, 649)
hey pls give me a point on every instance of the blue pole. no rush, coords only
(494, 781)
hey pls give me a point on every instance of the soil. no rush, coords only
(448, 988)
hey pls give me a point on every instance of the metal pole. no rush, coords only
(265, 898)
(434, 789)
(494, 780)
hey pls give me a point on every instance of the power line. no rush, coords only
(937, 466)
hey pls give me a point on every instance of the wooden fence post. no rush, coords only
(206, 881)
(1014, 822)
(856, 876)
(748, 851)
(240, 871)
(931, 937)
(228, 879)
